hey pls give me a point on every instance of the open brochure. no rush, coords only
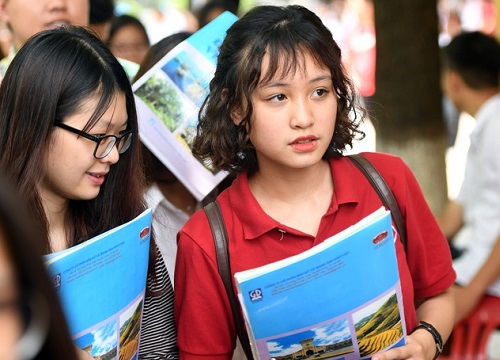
(101, 284)
(338, 300)
(169, 97)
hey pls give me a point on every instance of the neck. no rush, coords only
(476, 100)
(298, 199)
(291, 186)
(55, 211)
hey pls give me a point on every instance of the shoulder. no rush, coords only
(397, 175)
(383, 160)
(195, 227)
(391, 167)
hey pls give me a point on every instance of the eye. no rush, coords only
(124, 131)
(320, 92)
(277, 98)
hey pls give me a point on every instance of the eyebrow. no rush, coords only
(280, 83)
(108, 123)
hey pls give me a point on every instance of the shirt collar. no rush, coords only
(487, 112)
(256, 222)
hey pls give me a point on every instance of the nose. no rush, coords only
(301, 114)
(112, 157)
(57, 5)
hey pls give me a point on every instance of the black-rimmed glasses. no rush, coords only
(104, 144)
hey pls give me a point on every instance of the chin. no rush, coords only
(89, 195)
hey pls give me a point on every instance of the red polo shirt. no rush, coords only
(202, 311)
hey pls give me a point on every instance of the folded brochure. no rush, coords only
(340, 299)
(102, 284)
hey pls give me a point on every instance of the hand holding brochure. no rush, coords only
(340, 299)
(102, 284)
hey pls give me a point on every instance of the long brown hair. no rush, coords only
(76, 65)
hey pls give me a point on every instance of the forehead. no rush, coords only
(288, 63)
(98, 108)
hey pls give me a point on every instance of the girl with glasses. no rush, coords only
(69, 141)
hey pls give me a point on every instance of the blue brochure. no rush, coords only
(338, 300)
(169, 97)
(101, 284)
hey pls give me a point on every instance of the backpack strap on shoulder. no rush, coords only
(383, 191)
(221, 242)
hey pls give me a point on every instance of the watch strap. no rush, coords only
(435, 334)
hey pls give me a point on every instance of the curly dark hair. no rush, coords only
(284, 34)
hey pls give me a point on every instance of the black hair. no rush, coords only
(282, 33)
(123, 20)
(101, 11)
(476, 57)
(76, 65)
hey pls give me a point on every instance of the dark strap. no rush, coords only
(221, 243)
(383, 191)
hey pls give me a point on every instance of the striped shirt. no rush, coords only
(158, 333)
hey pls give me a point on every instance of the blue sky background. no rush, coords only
(103, 339)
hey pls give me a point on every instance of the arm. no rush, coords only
(469, 296)
(429, 265)
(451, 220)
(438, 311)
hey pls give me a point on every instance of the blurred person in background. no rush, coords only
(128, 38)
(214, 8)
(32, 325)
(101, 15)
(470, 77)
(25, 18)
(170, 200)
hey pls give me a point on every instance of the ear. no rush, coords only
(237, 116)
(4, 17)
(455, 81)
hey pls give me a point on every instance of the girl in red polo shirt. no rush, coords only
(279, 114)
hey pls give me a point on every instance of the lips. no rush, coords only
(97, 178)
(305, 144)
(304, 140)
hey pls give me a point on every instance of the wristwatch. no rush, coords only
(435, 334)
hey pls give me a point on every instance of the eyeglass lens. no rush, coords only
(107, 142)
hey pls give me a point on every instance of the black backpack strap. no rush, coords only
(218, 228)
(383, 191)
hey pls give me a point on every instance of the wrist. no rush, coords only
(438, 340)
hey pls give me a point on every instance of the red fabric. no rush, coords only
(202, 311)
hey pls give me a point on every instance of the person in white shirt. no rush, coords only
(471, 71)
